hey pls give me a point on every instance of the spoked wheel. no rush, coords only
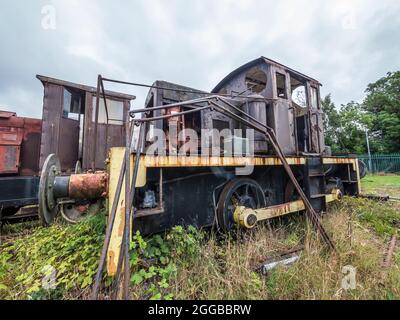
(75, 211)
(291, 193)
(238, 192)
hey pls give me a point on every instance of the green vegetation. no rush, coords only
(72, 250)
(187, 263)
(379, 113)
(382, 185)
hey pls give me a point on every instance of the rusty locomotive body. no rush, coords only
(252, 149)
(199, 190)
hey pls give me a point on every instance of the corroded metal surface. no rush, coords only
(200, 161)
(71, 134)
(88, 186)
(19, 144)
(242, 214)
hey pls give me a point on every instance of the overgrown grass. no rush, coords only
(226, 270)
(27, 263)
(187, 263)
(382, 185)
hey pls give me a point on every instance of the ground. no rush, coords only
(60, 262)
(382, 184)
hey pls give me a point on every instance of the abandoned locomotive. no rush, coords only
(268, 158)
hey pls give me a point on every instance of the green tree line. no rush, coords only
(378, 114)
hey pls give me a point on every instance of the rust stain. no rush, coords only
(122, 224)
(112, 267)
(19, 144)
(88, 186)
(204, 161)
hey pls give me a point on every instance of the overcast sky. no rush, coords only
(344, 44)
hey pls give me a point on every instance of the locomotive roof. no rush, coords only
(7, 114)
(114, 94)
(255, 62)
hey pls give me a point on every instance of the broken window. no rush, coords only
(281, 85)
(256, 80)
(72, 104)
(314, 98)
(115, 111)
(298, 92)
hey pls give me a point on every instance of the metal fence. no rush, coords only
(382, 162)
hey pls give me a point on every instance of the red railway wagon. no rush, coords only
(19, 161)
(69, 128)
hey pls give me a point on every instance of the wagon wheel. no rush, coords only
(238, 192)
(48, 207)
(75, 211)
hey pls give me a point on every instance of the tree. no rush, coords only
(331, 123)
(382, 103)
(353, 123)
(344, 127)
(379, 114)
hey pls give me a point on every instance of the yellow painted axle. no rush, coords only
(248, 217)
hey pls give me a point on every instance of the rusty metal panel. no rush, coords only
(7, 114)
(20, 143)
(52, 109)
(30, 148)
(281, 119)
(9, 159)
(68, 144)
(115, 133)
(87, 135)
(10, 146)
(60, 135)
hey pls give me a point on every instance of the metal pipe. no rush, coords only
(191, 102)
(369, 151)
(173, 115)
(177, 89)
(137, 159)
(127, 209)
(155, 87)
(172, 105)
(106, 108)
(96, 123)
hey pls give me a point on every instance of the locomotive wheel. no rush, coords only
(238, 192)
(291, 193)
(48, 207)
(75, 211)
(334, 183)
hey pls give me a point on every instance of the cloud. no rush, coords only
(344, 44)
